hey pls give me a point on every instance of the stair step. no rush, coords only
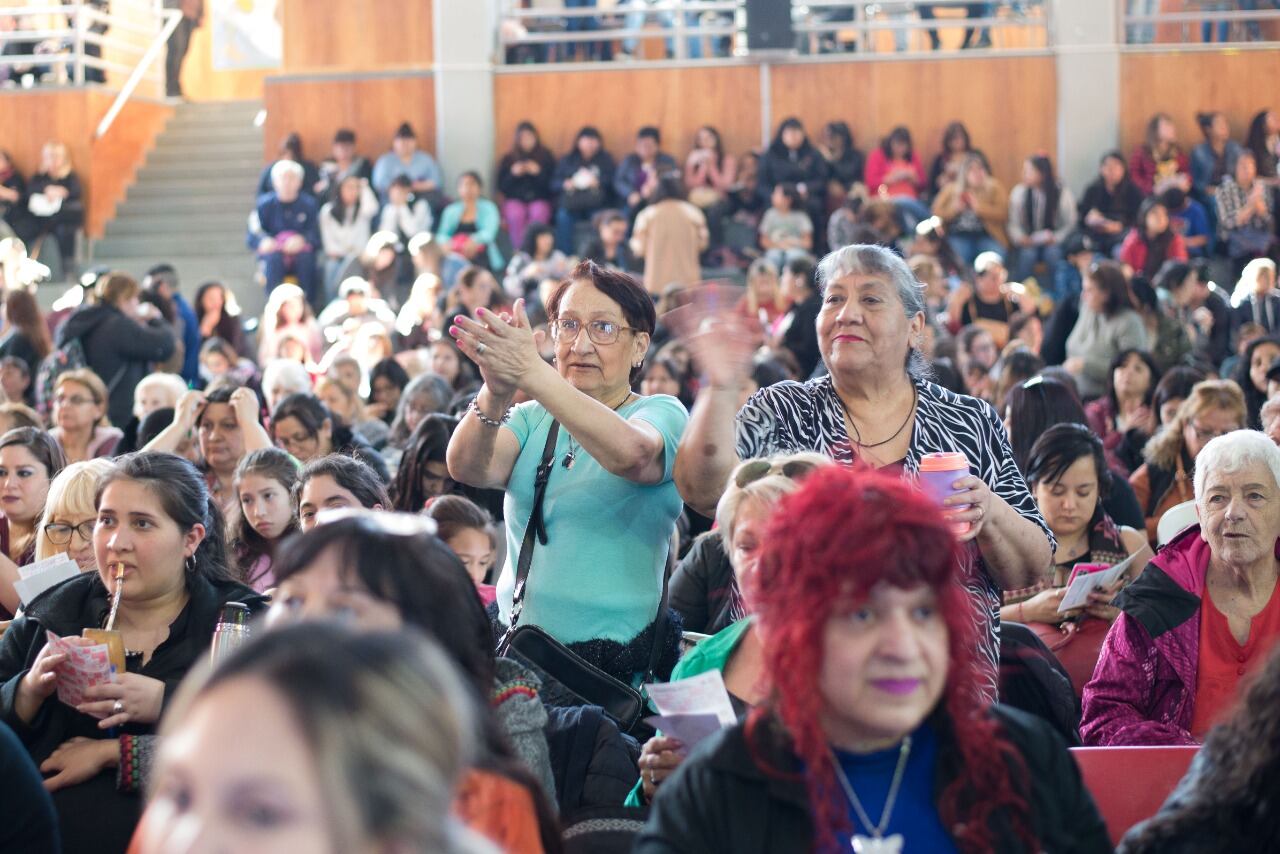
(137, 224)
(185, 206)
(212, 134)
(229, 170)
(165, 154)
(209, 189)
(187, 245)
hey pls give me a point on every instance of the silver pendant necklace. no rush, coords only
(877, 842)
(572, 456)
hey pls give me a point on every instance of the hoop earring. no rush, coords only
(191, 564)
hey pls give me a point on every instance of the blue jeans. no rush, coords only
(1023, 260)
(566, 223)
(276, 265)
(912, 211)
(970, 246)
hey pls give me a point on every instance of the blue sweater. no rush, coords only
(272, 217)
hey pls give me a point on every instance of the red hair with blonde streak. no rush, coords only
(825, 548)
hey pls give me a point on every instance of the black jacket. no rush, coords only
(83, 602)
(781, 165)
(800, 334)
(702, 586)
(527, 188)
(119, 350)
(720, 800)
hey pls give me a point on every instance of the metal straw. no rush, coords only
(115, 598)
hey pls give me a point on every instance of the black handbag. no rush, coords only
(534, 647)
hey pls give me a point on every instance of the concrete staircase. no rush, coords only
(191, 200)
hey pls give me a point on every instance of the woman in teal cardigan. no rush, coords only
(755, 487)
(469, 226)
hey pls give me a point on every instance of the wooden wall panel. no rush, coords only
(1183, 84)
(200, 82)
(106, 167)
(986, 94)
(364, 36)
(618, 102)
(372, 106)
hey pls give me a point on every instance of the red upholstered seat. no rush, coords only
(1129, 784)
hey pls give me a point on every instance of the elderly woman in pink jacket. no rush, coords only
(1204, 613)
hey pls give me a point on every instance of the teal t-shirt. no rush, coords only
(600, 573)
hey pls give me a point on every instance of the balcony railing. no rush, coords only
(1204, 22)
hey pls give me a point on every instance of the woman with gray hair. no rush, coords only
(1202, 615)
(425, 394)
(875, 407)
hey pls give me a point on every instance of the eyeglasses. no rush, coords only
(60, 534)
(754, 470)
(72, 400)
(602, 332)
(288, 443)
(1205, 435)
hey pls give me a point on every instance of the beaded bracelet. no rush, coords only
(485, 419)
(130, 773)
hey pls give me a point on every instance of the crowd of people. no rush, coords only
(469, 508)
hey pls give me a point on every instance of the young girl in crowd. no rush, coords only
(288, 311)
(1152, 241)
(785, 229)
(335, 482)
(264, 484)
(468, 530)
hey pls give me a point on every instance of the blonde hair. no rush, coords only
(116, 288)
(71, 494)
(1249, 278)
(22, 415)
(55, 145)
(766, 490)
(91, 381)
(1165, 447)
(171, 383)
(763, 267)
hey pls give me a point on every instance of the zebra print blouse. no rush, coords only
(791, 416)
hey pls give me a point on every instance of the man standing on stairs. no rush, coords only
(192, 13)
(284, 231)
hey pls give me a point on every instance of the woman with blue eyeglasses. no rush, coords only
(592, 505)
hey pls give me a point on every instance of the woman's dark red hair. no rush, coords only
(826, 547)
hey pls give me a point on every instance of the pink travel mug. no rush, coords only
(937, 474)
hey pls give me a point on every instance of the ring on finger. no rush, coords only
(480, 348)
(118, 707)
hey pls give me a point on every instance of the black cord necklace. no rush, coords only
(571, 457)
(915, 399)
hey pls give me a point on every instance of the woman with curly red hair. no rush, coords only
(876, 728)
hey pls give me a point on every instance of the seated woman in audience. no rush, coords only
(448, 362)
(1189, 219)
(872, 407)
(387, 381)
(13, 194)
(792, 159)
(291, 150)
(69, 516)
(988, 302)
(537, 259)
(225, 421)
(28, 334)
(1251, 376)
(264, 488)
(281, 378)
(1159, 163)
(1221, 802)
(1213, 408)
(524, 180)
(609, 446)
(712, 578)
(288, 311)
(218, 315)
(583, 182)
(302, 426)
(1124, 418)
(15, 380)
(1246, 213)
(1152, 241)
(1167, 338)
(423, 473)
(419, 318)
(388, 782)
(1174, 387)
(427, 393)
(670, 234)
(335, 482)
(1213, 159)
(1042, 214)
(220, 363)
(1109, 207)
(1107, 325)
(894, 173)
(55, 207)
(1069, 478)
(156, 518)
(346, 408)
(1203, 613)
(846, 165)
(468, 530)
(764, 301)
(974, 209)
(469, 226)
(157, 391)
(609, 246)
(663, 376)
(785, 230)
(391, 572)
(80, 425)
(876, 675)
(29, 460)
(346, 223)
(709, 175)
(404, 215)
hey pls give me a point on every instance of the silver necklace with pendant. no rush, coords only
(877, 842)
(572, 456)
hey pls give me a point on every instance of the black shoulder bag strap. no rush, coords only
(536, 528)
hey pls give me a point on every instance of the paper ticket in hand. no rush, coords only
(1084, 583)
(691, 709)
(40, 576)
(85, 667)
